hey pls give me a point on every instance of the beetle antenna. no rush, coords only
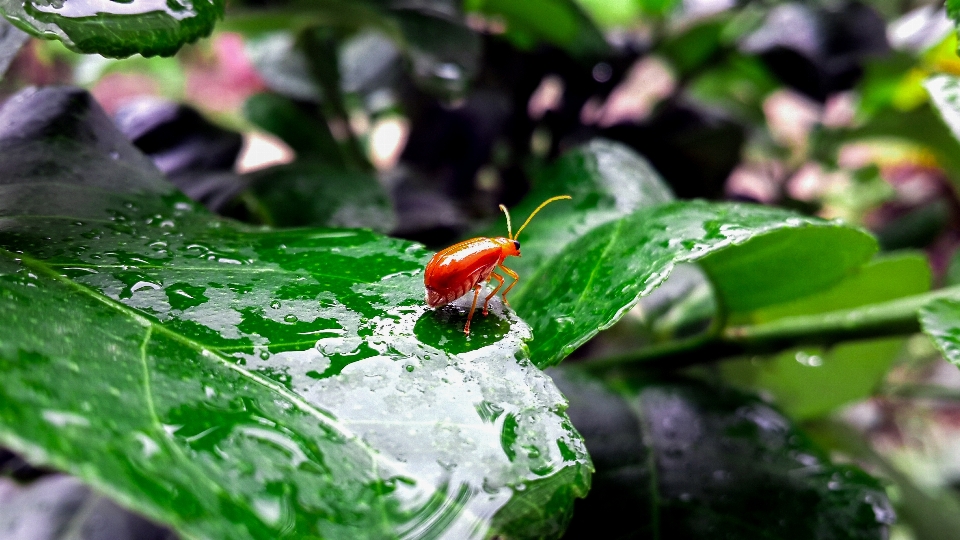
(544, 203)
(509, 229)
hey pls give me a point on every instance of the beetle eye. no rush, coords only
(516, 245)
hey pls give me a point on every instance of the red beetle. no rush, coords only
(464, 266)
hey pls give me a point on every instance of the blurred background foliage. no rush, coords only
(425, 115)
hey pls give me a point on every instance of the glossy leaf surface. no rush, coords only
(240, 382)
(607, 181)
(117, 29)
(680, 459)
(753, 255)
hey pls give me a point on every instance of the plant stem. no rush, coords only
(895, 317)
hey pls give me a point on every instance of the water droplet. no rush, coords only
(564, 321)
(810, 360)
(275, 304)
(264, 355)
(408, 367)
(291, 318)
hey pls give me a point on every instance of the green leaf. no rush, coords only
(318, 189)
(558, 22)
(887, 277)
(681, 459)
(444, 53)
(694, 46)
(607, 181)
(814, 381)
(305, 193)
(738, 85)
(940, 319)
(116, 29)
(755, 256)
(303, 128)
(239, 382)
(11, 39)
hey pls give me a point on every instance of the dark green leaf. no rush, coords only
(444, 53)
(607, 181)
(117, 29)
(953, 10)
(940, 319)
(680, 459)
(303, 129)
(755, 256)
(696, 45)
(739, 85)
(558, 22)
(11, 39)
(306, 193)
(239, 382)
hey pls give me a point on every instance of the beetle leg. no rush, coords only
(512, 274)
(476, 294)
(494, 293)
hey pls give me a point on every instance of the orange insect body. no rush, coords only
(452, 272)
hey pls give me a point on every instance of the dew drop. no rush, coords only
(291, 318)
(275, 304)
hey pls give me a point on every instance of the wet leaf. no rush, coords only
(607, 181)
(239, 382)
(680, 459)
(116, 29)
(755, 256)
